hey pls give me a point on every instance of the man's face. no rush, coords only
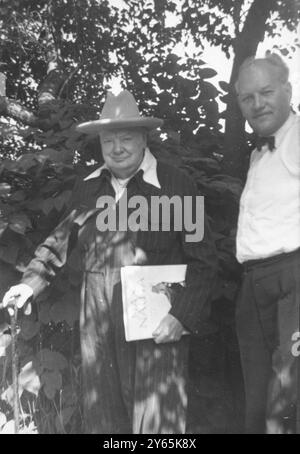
(264, 100)
(123, 150)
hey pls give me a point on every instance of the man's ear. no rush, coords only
(289, 90)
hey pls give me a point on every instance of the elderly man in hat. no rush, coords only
(129, 387)
(268, 246)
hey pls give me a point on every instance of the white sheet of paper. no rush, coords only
(143, 309)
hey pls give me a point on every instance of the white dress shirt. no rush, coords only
(269, 218)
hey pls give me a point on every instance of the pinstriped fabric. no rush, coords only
(137, 386)
(161, 387)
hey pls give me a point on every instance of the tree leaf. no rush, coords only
(62, 199)
(207, 73)
(208, 91)
(51, 360)
(224, 86)
(29, 327)
(29, 379)
(26, 162)
(55, 155)
(9, 252)
(52, 382)
(64, 311)
(19, 223)
(47, 205)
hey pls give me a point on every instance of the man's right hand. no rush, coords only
(18, 296)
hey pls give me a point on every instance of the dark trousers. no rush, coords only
(129, 387)
(267, 325)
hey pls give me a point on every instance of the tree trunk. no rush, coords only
(245, 45)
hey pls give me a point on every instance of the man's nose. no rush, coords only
(117, 146)
(258, 102)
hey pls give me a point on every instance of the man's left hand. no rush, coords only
(169, 330)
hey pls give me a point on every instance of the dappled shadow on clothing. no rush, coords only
(141, 387)
(161, 387)
(282, 396)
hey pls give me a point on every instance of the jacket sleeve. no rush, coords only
(51, 255)
(191, 305)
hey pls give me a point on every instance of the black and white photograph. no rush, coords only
(149, 219)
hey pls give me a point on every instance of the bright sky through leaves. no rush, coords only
(216, 59)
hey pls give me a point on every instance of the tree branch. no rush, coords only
(50, 87)
(67, 80)
(13, 109)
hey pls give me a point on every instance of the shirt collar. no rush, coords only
(148, 165)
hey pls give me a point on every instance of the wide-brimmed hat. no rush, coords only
(119, 111)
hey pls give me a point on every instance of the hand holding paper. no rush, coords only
(169, 330)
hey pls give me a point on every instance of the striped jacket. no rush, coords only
(105, 252)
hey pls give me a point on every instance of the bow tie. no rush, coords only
(261, 141)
